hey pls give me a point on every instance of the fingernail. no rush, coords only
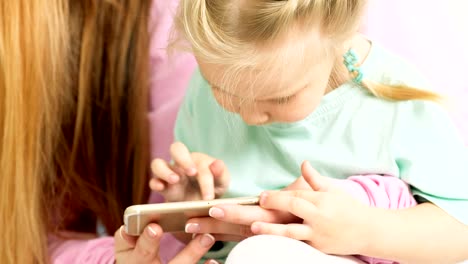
(208, 197)
(216, 212)
(120, 232)
(151, 232)
(212, 261)
(207, 240)
(192, 228)
(191, 171)
(174, 178)
(263, 198)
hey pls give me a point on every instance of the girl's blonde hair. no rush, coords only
(230, 32)
(73, 129)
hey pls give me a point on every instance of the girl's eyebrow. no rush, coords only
(267, 99)
(219, 89)
(286, 96)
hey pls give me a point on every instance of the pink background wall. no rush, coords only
(433, 35)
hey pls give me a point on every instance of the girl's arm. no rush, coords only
(386, 192)
(335, 224)
(421, 234)
(432, 159)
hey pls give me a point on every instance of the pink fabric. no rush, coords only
(433, 35)
(82, 251)
(170, 76)
(378, 191)
(100, 250)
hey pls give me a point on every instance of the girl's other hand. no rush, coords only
(145, 248)
(333, 221)
(192, 176)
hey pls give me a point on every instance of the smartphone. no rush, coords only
(173, 216)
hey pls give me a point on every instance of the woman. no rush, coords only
(74, 78)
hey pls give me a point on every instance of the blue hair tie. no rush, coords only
(351, 60)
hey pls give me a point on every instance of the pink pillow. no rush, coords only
(433, 35)
(170, 75)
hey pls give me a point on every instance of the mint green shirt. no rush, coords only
(350, 133)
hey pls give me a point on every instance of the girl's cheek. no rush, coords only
(227, 104)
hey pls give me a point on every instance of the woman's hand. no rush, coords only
(145, 248)
(193, 176)
(333, 221)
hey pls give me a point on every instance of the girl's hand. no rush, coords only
(233, 222)
(145, 249)
(193, 176)
(333, 221)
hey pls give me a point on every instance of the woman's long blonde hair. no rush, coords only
(228, 32)
(73, 130)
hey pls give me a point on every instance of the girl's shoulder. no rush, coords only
(385, 66)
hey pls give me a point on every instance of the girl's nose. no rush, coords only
(254, 115)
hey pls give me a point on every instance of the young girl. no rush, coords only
(281, 82)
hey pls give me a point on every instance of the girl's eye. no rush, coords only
(284, 100)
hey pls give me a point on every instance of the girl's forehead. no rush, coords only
(291, 61)
(272, 81)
